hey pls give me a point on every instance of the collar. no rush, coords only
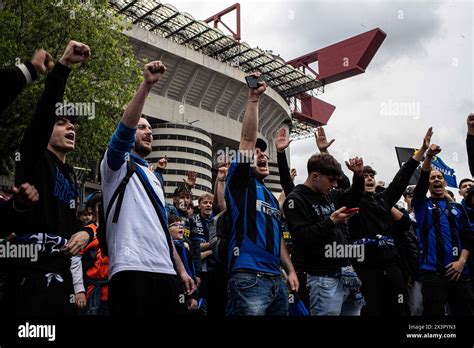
(139, 160)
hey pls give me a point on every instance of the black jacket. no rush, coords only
(55, 212)
(375, 216)
(404, 232)
(308, 214)
(13, 82)
(288, 186)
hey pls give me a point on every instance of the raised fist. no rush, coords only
(153, 72)
(42, 61)
(75, 52)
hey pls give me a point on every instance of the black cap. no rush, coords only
(182, 189)
(261, 144)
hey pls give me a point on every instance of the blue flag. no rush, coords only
(404, 153)
(438, 164)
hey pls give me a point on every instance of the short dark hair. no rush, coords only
(324, 164)
(463, 181)
(173, 218)
(369, 170)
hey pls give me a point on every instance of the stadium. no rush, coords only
(197, 108)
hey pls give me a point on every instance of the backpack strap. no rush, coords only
(160, 212)
(120, 192)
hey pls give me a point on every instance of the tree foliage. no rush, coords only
(108, 79)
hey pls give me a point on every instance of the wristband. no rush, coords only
(26, 73)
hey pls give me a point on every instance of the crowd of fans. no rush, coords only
(327, 247)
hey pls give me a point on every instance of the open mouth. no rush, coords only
(70, 136)
(146, 140)
(261, 163)
(437, 185)
(370, 184)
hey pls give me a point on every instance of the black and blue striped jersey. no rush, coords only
(443, 229)
(254, 221)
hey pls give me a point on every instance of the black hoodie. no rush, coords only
(55, 213)
(308, 214)
(375, 216)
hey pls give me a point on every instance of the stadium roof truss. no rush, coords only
(166, 21)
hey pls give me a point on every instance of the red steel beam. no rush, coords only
(217, 18)
(344, 59)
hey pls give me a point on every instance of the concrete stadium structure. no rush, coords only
(196, 109)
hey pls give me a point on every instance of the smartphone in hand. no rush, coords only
(351, 210)
(252, 81)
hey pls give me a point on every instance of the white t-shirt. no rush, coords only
(137, 242)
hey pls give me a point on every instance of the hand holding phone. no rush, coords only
(351, 210)
(252, 81)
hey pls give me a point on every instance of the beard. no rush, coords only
(142, 150)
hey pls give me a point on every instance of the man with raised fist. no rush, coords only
(44, 287)
(446, 241)
(146, 274)
(256, 249)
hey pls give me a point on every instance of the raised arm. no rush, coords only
(321, 140)
(36, 137)
(323, 144)
(16, 79)
(401, 180)
(423, 182)
(248, 136)
(281, 144)
(353, 195)
(124, 137)
(470, 142)
(219, 186)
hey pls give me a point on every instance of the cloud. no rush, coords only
(426, 59)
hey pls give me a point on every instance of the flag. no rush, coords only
(449, 176)
(404, 153)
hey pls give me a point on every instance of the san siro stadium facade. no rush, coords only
(197, 107)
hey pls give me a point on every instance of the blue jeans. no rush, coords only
(256, 294)
(329, 296)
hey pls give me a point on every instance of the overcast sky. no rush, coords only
(425, 61)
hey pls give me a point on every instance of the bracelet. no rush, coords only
(252, 101)
(221, 179)
(26, 73)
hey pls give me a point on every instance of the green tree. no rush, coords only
(108, 79)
